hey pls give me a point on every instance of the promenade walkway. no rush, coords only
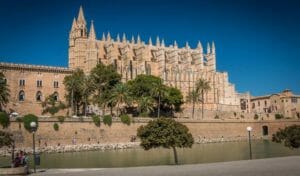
(285, 166)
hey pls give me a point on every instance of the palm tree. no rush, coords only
(74, 85)
(119, 96)
(158, 91)
(193, 97)
(4, 92)
(87, 90)
(202, 86)
(145, 104)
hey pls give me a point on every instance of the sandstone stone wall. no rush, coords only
(71, 132)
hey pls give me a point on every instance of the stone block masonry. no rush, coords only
(86, 133)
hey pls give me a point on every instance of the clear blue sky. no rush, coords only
(257, 41)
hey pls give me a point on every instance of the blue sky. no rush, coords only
(257, 41)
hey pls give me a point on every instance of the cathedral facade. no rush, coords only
(177, 67)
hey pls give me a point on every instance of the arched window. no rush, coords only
(55, 94)
(21, 95)
(38, 96)
(265, 130)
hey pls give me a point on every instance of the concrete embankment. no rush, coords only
(285, 166)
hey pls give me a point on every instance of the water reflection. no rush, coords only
(204, 153)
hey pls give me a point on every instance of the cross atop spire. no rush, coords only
(80, 18)
(92, 34)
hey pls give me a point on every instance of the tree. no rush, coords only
(4, 119)
(202, 86)
(27, 119)
(158, 91)
(51, 105)
(193, 97)
(75, 90)
(6, 139)
(104, 78)
(119, 96)
(171, 101)
(290, 136)
(87, 90)
(4, 92)
(145, 104)
(167, 133)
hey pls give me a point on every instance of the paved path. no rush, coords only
(285, 166)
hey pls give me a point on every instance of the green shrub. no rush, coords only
(255, 117)
(4, 119)
(242, 116)
(279, 116)
(61, 119)
(107, 120)
(96, 120)
(56, 126)
(27, 119)
(298, 115)
(125, 119)
(234, 114)
(217, 117)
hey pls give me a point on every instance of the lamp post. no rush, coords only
(249, 129)
(33, 130)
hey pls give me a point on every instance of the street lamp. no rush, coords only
(33, 130)
(249, 129)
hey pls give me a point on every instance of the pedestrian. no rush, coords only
(17, 160)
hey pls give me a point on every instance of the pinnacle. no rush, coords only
(80, 18)
(92, 34)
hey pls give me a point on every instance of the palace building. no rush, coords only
(177, 67)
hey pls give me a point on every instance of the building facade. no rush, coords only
(177, 67)
(285, 103)
(30, 84)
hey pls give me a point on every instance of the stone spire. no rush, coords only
(175, 44)
(138, 40)
(80, 18)
(92, 34)
(150, 41)
(157, 41)
(187, 46)
(124, 38)
(118, 37)
(213, 48)
(132, 40)
(162, 43)
(199, 47)
(108, 36)
(74, 24)
(103, 37)
(208, 48)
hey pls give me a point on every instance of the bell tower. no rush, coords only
(77, 39)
